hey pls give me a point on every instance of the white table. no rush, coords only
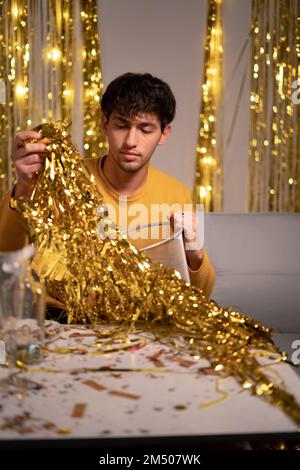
(145, 391)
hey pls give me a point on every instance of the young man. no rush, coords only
(137, 110)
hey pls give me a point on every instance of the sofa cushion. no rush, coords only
(271, 299)
(257, 262)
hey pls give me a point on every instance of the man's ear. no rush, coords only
(165, 134)
(104, 122)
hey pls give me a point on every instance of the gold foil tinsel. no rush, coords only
(14, 58)
(208, 186)
(105, 279)
(64, 31)
(94, 139)
(274, 148)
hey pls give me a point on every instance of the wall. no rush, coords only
(166, 38)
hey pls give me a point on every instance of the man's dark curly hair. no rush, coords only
(133, 93)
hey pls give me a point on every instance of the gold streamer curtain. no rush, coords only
(208, 186)
(274, 151)
(50, 69)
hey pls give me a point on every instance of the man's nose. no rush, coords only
(131, 138)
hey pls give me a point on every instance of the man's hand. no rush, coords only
(29, 160)
(187, 221)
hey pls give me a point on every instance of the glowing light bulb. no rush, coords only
(21, 90)
(202, 191)
(15, 11)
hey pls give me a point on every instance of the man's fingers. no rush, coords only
(178, 218)
(35, 148)
(186, 222)
(26, 135)
(29, 149)
(33, 159)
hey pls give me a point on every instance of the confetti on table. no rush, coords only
(81, 335)
(183, 362)
(180, 407)
(25, 430)
(95, 385)
(155, 358)
(63, 431)
(48, 425)
(118, 393)
(78, 410)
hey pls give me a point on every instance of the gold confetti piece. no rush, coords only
(48, 425)
(87, 273)
(130, 396)
(208, 371)
(157, 354)
(74, 350)
(224, 395)
(155, 358)
(94, 385)
(117, 375)
(108, 348)
(78, 410)
(81, 335)
(183, 362)
(20, 364)
(85, 370)
(63, 431)
(157, 362)
(180, 407)
(25, 430)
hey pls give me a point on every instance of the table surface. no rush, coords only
(138, 388)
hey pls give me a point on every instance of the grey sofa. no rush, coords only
(257, 262)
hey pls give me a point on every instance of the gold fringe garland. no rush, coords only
(13, 75)
(274, 148)
(41, 74)
(94, 139)
(208, 186)
(101, 277)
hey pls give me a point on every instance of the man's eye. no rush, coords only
(121, 126)
(146, 131)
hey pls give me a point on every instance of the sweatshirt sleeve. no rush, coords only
(204, 277)
(13, 234)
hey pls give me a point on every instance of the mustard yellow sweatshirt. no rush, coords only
(150, 204)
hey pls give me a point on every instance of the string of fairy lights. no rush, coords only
(40, 62)
(208, 186)
(274, 151)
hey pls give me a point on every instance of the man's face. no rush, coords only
(132, 140)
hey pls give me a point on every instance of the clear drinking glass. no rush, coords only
(22, 308)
